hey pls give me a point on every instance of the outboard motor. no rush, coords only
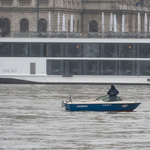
(63, 103)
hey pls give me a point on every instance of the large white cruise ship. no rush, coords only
(74, 60)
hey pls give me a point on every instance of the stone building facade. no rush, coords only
(80, 16)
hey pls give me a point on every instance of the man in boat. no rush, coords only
(112, 93)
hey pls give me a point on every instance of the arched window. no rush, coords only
(68, 25)
(5, 27)
(93, 27)
(24, 25)
(42, 25)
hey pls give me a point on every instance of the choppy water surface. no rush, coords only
(31, 117)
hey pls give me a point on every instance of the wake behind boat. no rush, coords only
(103, 103)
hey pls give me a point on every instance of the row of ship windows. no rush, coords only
(95, 67)
(74, 50)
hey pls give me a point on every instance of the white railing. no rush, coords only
(98, 58)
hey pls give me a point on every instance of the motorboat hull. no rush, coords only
(102, 107)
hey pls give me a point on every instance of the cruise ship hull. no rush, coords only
(84, 79)
(77, 61)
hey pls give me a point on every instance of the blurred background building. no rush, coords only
(74, 16)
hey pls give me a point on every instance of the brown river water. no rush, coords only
(31, 117)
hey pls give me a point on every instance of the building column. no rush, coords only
(58, 21)
(33, 3)
(50, 3)
(53, 21)
(71, 22)
(103, 22)
(123, 18)
(149, 24)
(15, 3)
(139, 26)
(111, 20)
(49, 16)
(115, 23)
(145, 23)
(64, 23)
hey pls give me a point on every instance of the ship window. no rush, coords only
(73, 50)
(72, 67)
(5, 50)
(55, 50)
(24, 25)
(144, 50)
(45, 49)
(143, 68)
(90, 67)
(126, 68)
(109, 50)
(55, 67)
(91, 50)
(20, 49)
(35, 50)
(127, 50)
(109, 67)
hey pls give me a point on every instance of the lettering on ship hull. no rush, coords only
(9, 71)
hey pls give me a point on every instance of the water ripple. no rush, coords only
(32, 118)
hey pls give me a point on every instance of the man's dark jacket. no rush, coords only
(113, 91)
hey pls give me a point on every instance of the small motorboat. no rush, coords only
(103, 103)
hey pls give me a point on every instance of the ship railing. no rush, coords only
(18, 34)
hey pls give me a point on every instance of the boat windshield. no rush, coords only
(106, 98)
